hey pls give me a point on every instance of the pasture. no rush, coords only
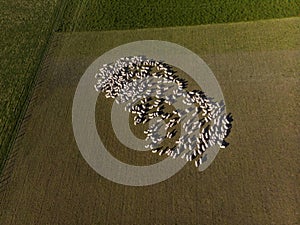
(251, 182)
(27, 28)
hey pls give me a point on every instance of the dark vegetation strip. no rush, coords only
(91, 15)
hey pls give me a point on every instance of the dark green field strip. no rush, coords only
(83, 15)
(25, 30)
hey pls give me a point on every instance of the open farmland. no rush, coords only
(27, 26)
(252, 182)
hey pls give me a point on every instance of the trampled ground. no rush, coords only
(253, 181)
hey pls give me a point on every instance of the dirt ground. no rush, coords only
(253, 181)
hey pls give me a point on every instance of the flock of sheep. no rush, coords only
(153, 91)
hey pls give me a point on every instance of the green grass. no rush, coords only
(82, 15)
(25, 30)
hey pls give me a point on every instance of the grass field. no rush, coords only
(252, 182)
(120, 15)
(257, 64)
(27, 27)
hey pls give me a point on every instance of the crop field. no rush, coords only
(253, 181)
